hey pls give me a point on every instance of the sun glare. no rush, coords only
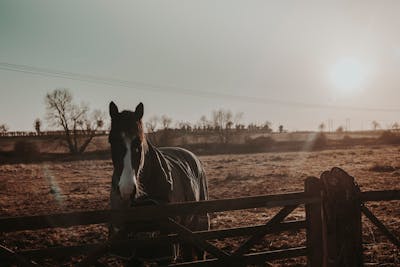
(348, 75)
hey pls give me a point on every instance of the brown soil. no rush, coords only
(84, 185)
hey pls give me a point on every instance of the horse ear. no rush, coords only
(139, 111)
(113, 109)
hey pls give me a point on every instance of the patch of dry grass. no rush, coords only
(84, 185)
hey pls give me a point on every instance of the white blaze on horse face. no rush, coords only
(127, 181)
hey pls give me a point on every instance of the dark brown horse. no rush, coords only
(164, 175)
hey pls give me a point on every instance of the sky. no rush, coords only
(295, 63)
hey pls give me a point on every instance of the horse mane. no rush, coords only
(142, 136)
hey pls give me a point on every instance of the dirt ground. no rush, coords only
(45, 188)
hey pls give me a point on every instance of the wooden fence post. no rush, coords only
(312, 187)
(341, 217)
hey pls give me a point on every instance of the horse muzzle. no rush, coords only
(126, 191)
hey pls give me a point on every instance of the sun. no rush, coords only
(348, 75)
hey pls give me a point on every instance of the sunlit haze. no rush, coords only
(293, 63)
(348, 75)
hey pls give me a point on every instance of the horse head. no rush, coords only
(127, 150)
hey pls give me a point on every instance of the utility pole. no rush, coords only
(347, 124)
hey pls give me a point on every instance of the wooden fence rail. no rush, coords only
(386, 195)
(11, 224)
(333, 209)
(67, 251)
(151, 213)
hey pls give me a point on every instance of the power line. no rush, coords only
(163, 88)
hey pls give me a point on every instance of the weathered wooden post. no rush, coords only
(341, 220)
(312, 187)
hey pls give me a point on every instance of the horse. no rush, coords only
(164, 175)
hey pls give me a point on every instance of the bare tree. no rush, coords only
(375, 125)
(340, 129)
(37, 124)
(221, 118)
(166, 121)
(395, 126)
(222, 121)
(204, 123)
(237, 119)
(321, 127)
(184, 125)
(3, 128)
(151, 124)
(267, 126)
(78, 124)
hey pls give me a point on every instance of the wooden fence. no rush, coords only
(333, 207)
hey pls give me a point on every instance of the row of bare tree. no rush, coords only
(219, 120)
(374, 124)
(80, 124)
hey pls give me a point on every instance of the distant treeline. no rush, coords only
(188, 129)
(29, 150)
(48, 133)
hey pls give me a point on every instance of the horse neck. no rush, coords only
(154, 177)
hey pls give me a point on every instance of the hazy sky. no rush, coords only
(273, 53)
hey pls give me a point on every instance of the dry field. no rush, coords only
(84, 185)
